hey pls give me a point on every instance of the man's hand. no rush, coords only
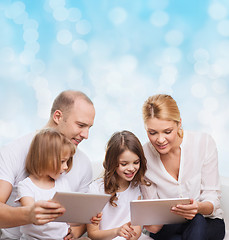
(69, 236)
(42, 212)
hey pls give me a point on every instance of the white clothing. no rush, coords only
(114, 217)
(12, 163)
(198, 174)
(52, 230)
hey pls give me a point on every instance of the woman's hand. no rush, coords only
(187, 211)
(126, 231)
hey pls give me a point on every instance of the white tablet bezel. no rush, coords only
(80, 207)
(155, 211)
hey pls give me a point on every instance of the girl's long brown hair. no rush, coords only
(118, 143)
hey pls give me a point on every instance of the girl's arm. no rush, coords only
(127, 231)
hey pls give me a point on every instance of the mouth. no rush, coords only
(130, 175)
(162, 146)
(76, 141)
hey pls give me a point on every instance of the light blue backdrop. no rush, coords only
(118, 52)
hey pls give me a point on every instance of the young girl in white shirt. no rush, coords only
(124, 166)
(50, 156)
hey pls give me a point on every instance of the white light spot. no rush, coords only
(201, 68)
(117, 15)
(37, 66)
(9, 129)
(204, 116)
(172, 55)
(198, 90)
(21, 19)
(223, 28)
(217, 11)
(79, 46)
(174, 37)
(64, 37)
(26, 57)
(56, 3)
(33, 47)
(30, 23)
(14, 10)
(74, 14)
(159, 18)
(83, 27)
(201, 55)
(7, 54)
(60, 14)
(30, 35)
(211, 104)
(43, 96)
(219, 86)
(128, 63)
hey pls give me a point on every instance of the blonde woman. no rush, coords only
(181, 164)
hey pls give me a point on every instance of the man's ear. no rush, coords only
(57, 116)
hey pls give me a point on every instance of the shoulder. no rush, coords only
(149, 151)
(19, 144)
(197, 138)
(97, 186)
(81, 157)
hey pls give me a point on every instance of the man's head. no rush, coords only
(72, 114)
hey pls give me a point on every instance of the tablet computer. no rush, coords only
(155, 211)
(80, 207)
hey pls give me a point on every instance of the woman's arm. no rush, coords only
(189, 211)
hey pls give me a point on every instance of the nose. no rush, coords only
(160, 138)
(84, 133)
(65, 166)
(131, 167)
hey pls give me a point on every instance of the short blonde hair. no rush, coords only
(45, 152)
(163, 107)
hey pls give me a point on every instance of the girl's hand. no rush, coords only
(187, 211)
(69, 235)
(96, 220)
(126, 231)
(153, 228)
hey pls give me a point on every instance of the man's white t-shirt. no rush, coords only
(12, 170)
(52, 230)
(114, 217)
(198, 174)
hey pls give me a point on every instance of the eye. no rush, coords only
(137, 162)
(168, 132)
(152, 133)
(123, 164)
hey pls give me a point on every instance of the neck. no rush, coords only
(44, 182)
(123, 185)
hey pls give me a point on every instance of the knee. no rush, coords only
(199, 221)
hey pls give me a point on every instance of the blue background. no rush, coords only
(119, 53)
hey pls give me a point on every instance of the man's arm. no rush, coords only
(39, 213)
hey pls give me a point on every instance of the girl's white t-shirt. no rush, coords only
(114, 217)
(52, 230)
